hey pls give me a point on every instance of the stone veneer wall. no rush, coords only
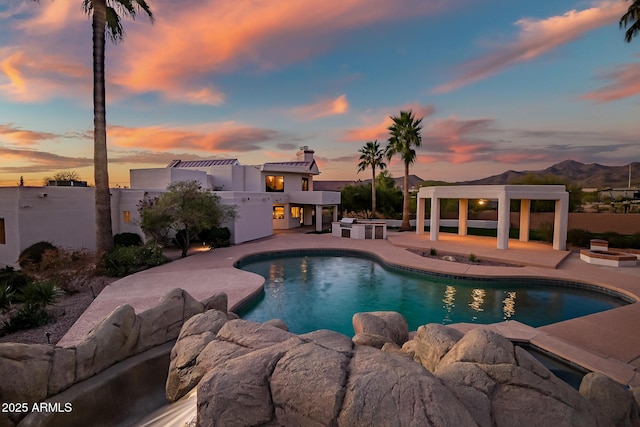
(32, 373)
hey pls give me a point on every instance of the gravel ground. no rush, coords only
(66, 311)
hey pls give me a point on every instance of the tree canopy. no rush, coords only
(405, 138)
(372, 156)
(185, 209)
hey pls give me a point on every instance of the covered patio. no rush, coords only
(503, 194)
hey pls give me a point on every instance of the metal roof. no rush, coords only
(202, 163)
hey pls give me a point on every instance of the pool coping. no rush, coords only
(208, 272)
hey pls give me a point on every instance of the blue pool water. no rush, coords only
(323, 292)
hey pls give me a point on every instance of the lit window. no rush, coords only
(2, 235)
(126, 216)
(274, 184)
(305, 184)
(278, 212)
(296, 211)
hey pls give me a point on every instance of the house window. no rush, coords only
(305, 184)
(2, 235)
(296, 211)
(126, 216)
(275, 184)
(278, 212)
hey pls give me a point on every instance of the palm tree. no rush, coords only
(372, 156)
(405, 135)
(105, 21)
(631, 17)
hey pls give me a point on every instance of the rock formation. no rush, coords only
(255, 374)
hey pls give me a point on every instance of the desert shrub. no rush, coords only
(578, 237)
(546, 232)
(13, 279)
(30, 303)
(617, 240)
(68, 270)
(473, 258)
(127, 239)
(433, 252)
(124, 260)
(34, 253)
(216, 237)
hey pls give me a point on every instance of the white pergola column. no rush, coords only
(463, 214)
(335, 213)
(318, 218)
(420, 211)
(435, 218)
(503, 222)
(560, 220)
(525, 219)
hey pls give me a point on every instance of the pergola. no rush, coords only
(504, 194)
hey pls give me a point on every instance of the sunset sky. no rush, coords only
(501, 84)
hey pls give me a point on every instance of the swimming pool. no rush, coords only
(312, 290)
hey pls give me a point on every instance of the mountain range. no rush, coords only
(585, 175)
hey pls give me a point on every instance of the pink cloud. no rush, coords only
(624, 81)
(224, 137)
(20, 136)
(323, 108)
(535, 38)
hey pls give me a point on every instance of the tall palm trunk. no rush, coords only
(104, 236)
(373, 192)
(406, 225)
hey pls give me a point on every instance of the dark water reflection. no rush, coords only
(323, 292)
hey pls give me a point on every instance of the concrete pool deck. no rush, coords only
(605, 342)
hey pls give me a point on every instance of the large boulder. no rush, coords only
(388, 324)
(611, 398)
(24, 373)
(252, 374)
(111, 341)
(431, 343)
(386, 388)
(163, 322)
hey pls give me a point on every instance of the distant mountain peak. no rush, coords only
(585, 175)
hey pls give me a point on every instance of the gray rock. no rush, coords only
(431, 343)
(111, 341)
(24, 370)
(329, 339)
(63, 370)
(611, 398)
(252, 334)
(211, 321)
(237, 393)
(277, 323)
(183, 359)
(390, 389)
(307, 385)
(218, 302)
(388, 324)
(371, 340)
(481, 346)
(162, 323)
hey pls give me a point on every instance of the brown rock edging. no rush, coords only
(32, 373)
(255, 374)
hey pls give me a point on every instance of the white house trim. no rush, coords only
(503, 194)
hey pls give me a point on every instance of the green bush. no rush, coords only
(127, 239)
(216, 237)
(546, 232)
(433, 252)
(579, 237)
(13, 279)
(124, 260)
(31, 301)
(34, 253)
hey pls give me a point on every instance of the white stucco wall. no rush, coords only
(63, 216)
(160, 178)
(253, 220)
